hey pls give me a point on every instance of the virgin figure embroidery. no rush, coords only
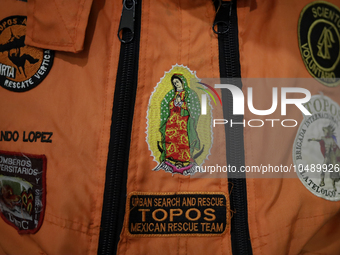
(178, 136)
(180, 111)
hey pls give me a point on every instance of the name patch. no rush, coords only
(176, 214)
(31, 136)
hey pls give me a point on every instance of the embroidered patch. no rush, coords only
(319, 41)
(179, 137)
(22, 190)
(21, 67)
(175, 214)
(316, 151)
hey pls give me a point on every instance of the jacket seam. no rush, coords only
(69, 228)
(75, 33)
(80, 12)
(76, 222)
(63, 21)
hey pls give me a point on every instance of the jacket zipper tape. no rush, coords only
(120, 136)
(226, 22)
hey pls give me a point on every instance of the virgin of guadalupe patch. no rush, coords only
(319, 41)
(22, 190)
(316, 151)
(22, 67)
(179, 137)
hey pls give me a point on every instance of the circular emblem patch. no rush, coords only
(316, 151)
(21, 67)
(319, 41)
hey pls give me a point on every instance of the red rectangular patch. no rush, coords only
(22, 190)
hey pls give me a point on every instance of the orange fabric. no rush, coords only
(75, 103)
(184, 29)
(283, 215)
(58, 24)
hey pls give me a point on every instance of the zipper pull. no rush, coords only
(127, 22)
(222, 18)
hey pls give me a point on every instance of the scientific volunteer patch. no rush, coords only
(179, 137)
(316, 150)
(22, 190)
(22, 67)
(319, 41)
(176, 214)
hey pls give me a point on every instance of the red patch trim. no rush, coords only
(43, 200)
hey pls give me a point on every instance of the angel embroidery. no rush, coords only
(331, 153)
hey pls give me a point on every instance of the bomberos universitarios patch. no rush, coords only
(22, 190)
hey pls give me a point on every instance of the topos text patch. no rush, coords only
(181, 213)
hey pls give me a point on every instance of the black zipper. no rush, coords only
(120, 136)
(227, 30)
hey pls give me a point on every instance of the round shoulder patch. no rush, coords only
(316, 151)
(319, 41)
(22, 67)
